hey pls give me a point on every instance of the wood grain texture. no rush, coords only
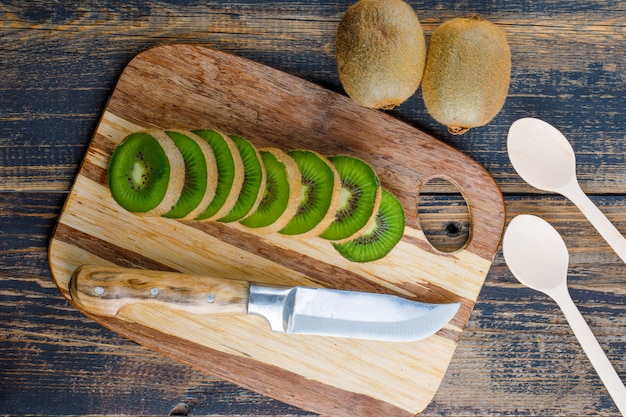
(105, 291)
(581, 93)
(238, 96)
(59, 64)
(516, 356)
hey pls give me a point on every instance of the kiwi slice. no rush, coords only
(381, 237)
(211, 176)
(281, 196)
(319, 196)
(359, 200)
(146, 173)
(196, 177)
(230, 174)
(253, 182)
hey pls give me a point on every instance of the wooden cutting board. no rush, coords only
(186, 87)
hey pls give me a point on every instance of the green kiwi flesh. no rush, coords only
(381, 237)
(319, 196)
(281, 194)
(212, 174)
(196, 178)
(205, 175)
(253, 182)
(360, 195)
(138, 173)
(229, 180)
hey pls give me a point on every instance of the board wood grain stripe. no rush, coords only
(107, 250)
(188, 87)
(324, 273)
(280, 110)
(302, 392)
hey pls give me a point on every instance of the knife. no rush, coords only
(105, 290)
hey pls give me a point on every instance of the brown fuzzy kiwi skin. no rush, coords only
(381, 52)
(177, 173)
(467, 74)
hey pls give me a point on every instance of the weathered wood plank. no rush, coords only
(82, 51)
(56, 361)
(59, 64)
(517, 355)
(26, 222)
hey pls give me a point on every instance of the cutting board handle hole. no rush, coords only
(444, 215)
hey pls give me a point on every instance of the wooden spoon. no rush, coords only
(544, 158)
(538, 257)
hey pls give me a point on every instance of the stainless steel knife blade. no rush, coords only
(351, 314)
(104, 290)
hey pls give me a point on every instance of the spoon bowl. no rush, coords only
(538, 257)
(540, 154)
(535, 253)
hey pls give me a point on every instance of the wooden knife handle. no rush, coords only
(105, 290)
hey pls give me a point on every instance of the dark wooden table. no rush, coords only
(58, 64)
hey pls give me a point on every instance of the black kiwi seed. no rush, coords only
(230, 174)
(281, 196)
(360, 197)
(146, 173)
(253, 182)
(320, 196)
(381, 237)
(195, 175)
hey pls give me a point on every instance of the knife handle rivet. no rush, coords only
(98, 291)
(210, 298)
(154, 292)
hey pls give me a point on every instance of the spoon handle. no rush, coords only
(592, 348)
(603, 225)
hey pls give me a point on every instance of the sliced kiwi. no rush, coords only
(381, 237)
(319, 196)
(146, 173)
(205, 175)
(195, 184)
(281, 195)
(211, 177)
(359, 201)
(230, 174)
(253, 183)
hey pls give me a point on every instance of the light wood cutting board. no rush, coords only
(186, 87)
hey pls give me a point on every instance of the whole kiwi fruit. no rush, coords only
(381, 52)
(467, 74)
